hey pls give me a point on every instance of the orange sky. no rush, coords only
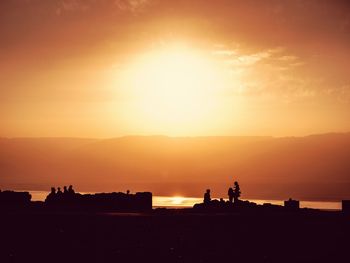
(88, 68)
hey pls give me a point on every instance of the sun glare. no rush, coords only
(177, 200)
(175, 90)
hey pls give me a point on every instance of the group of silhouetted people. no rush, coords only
(54, 196)
(233, 194)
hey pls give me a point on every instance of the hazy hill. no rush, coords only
(312, 167)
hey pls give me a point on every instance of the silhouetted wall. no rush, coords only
(107, 202)
(345, 206)
(11, 199)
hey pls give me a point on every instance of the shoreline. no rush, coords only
(187, 202)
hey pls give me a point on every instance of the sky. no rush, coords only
(108, 68)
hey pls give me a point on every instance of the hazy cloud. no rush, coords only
(288, 58)
(237, 58)
(132, 6)
(270, 74)
(224, 52)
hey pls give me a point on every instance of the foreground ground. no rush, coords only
(174, 237)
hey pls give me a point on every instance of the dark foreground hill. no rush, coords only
(177, 237)
(313, 167)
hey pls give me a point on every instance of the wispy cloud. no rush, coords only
(249, 60)
(237, 56)
(132, 6)
(269, 74)
(224, 52)
(342, 93)
(72, 5)
(288, 58)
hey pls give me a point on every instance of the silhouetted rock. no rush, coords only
(220, 206)
(292, 204)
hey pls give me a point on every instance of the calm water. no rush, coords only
(177, 201)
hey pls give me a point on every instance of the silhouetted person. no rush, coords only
(127, 192)
(70, 190)
(207, 197)
(237, 191)
(51, 196)
(65, 191)
(231, 194)
(59, 192)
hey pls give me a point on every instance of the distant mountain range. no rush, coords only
(315, 167)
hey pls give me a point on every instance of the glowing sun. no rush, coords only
(175, 90)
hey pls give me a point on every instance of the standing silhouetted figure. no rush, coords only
(207, 197)
(237, 191)
(65, 191)
(231, 194)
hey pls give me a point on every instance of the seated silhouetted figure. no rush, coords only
(59, 194)
(51, 196)
(207, 197)
(70, 190)
(70, 194)
(65, 195)
(231, 194)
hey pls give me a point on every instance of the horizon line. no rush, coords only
(169, 136)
